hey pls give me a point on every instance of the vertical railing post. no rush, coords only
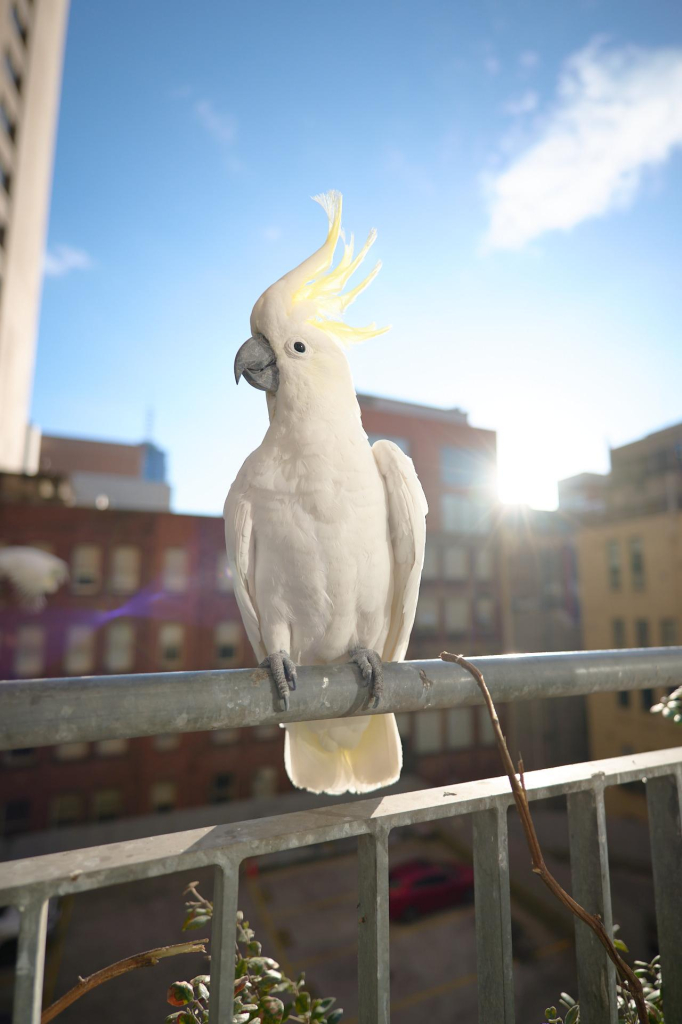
(223, 939)
(373, 938)
(493, 917)
(28, 978)
(664, 797)
(591, 888)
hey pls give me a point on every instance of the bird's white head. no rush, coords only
(298, 334)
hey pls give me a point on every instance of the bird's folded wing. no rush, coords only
(407, 510)
(241, 550)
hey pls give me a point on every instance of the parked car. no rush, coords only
(420, 886)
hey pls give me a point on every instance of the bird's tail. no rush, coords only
(353, 755)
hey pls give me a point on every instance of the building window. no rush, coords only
(428, 732)
(107, 805)
(5, 178)
(71, 751)
(224, 737)
(86, 569)
(264, 783)
(29, 656)
(623, 698)
(79, 657)
(464, 467)
(111, 748)
(484, 564)
(20, 757)
(648, 699)
(637, 563)
(6, 122)
(618, 627)
(613, 561)
(171, 643)
(430, 569)
(486, 733)
(459, 728)
(66, 809)
(456, 561)
(402, 442)
(465, 515)
(119, 650)
(223, 574)
(11, 71)
(668, 633)
(19, 25)
(166, 741)
(427, 612)
(485, 612)
(125, 569)
(456, 614)
(175, 564)
(642, 633)
(164, 796)
(222, 788)
(16, 817)
(228, 636)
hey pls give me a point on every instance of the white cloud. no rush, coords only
(618, 111)
(63, 259)
(524, 104)
(222, 127)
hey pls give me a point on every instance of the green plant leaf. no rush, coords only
(200, 921)
(335, 1017)
(180, 993)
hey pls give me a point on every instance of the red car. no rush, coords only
(419, 886)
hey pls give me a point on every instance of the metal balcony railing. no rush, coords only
(45, 712)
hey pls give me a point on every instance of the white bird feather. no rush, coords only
(325, 534)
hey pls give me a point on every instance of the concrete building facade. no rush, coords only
(32, 36)
(630, 572)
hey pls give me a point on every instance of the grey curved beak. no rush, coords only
(256, 362)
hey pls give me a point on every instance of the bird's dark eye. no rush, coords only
(299, 346)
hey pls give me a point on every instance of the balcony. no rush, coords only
(45, 712)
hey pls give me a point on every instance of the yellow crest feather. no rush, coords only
(324, 292)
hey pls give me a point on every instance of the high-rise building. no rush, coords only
(32, 35)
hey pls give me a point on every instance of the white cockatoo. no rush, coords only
(325, 533)
(33, 573)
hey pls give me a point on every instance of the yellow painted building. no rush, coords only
(630, 581)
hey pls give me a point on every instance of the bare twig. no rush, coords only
(628, 978)
(148, 959)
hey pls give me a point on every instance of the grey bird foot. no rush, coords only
(283, 672)
(372, 670)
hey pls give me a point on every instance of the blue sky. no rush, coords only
(522, 162)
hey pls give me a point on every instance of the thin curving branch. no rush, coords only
(148, 959)
(627, 976)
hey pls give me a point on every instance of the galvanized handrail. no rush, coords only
(245, 698)
(42, 712)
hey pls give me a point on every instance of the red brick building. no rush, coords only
(149, 591)
(460, 598)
